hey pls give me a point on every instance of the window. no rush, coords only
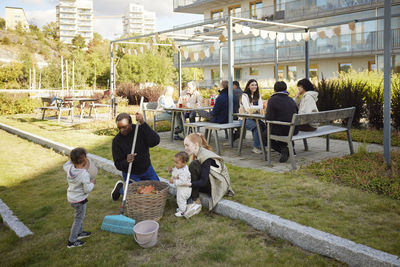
(371, 66)
(255, 9)
(291, 73)
(279, 5)
(216, 14)
(253, 71)
(235, 11)
(238, 73)
(344, 67)
(281, 73)
(215, 75)
(313, 70)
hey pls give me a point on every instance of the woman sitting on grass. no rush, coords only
(208, 174)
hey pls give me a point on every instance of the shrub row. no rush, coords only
(133, 93)
(363, 91)
(17, 104)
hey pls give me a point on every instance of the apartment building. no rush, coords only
(137, 20)
(16, 16)
(75, 17)
(356, 45)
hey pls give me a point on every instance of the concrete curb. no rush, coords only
(12, 221)
(305, 237)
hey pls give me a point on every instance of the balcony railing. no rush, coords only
(293, 9)
(346, 44)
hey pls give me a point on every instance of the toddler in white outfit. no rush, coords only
(181, 178)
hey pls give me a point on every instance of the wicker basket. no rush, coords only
(146, 206)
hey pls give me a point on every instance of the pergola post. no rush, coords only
(220, 63)
(111, 80)
(387, 37)
(276, 59)
(307, 58)
(230, 68)
(179, 71)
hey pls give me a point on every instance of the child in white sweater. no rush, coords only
(81, 176)
(181, 178)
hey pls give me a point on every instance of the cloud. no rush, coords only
(108, 28)
(41, 17)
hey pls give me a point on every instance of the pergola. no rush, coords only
(219, 27)
(225, 26)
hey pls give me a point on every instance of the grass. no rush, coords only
(368, 136)
(34, 185)
(363, 217)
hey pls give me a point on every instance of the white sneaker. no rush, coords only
(179, 214)
(256, 150)
(192, 210)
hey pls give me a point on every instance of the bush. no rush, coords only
(6, 41)
(396, 103)
(133, 93)
(374, 99)
(352, 94)
(10, 105)
(327, 95)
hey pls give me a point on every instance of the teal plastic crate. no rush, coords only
(119, 224)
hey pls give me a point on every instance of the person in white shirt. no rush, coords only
(306, 100)
(180, 177)
(193, 99)
(251, 102)
(166, 101)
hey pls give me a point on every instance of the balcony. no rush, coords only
(368, 43)
(289, 11)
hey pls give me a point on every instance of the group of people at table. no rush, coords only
(280, 107)
(206, 171)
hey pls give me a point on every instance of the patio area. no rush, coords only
(316, 153)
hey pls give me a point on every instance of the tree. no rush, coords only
(79, 42)
(50, 30)
(2, 24)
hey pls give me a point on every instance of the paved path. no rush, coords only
(248, 159)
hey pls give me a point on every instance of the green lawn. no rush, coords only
(360, 216)
(33, 185)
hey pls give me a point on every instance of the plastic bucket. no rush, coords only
(145, 233)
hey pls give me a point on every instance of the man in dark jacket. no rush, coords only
(280, 108)
(122, 146)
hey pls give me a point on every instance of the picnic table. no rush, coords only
(181, 111)
(257, 118)
(82, 102)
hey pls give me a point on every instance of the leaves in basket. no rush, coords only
(148, 189)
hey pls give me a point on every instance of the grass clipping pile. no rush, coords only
(146, 200)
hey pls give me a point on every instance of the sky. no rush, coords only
(40, 12)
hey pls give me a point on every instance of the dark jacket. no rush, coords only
(122, 146)
(280, 108)
(221, 108)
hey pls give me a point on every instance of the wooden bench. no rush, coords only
(58, 105)
(213, 128)
(318, 117)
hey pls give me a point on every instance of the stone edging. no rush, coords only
(12, 221)
(305, 237)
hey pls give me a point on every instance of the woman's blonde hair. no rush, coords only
(199, 139)
(168, 91)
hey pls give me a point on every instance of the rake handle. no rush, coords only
(131, 163)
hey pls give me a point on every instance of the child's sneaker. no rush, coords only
(192, 209)
(77, 243)
(115, 192)
(84, 235)
(179, 214)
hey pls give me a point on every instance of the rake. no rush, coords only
(121, 224)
